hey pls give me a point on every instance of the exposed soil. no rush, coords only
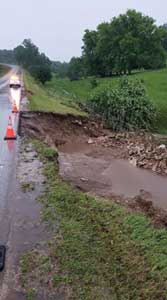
(96, 160)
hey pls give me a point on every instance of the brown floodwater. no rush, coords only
(94, 169)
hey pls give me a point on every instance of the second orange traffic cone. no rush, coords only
(14, 110)
(10, 135)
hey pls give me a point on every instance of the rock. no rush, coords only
(120, 135)
(154, 168)
(78, 122)
(162, 146)
(90, 141)
(133, 161)
(102, 139)
(112, 135)
(84, 179)
(141, 164)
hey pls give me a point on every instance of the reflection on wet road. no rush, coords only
(7, 148)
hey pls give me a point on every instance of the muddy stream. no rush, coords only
(97, 166)
(93, 169)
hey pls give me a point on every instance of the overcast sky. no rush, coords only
(57, 26)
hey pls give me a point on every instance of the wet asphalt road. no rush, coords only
(7, 148)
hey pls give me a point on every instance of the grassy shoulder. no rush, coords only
(154, 81)
(99, 250)
(4, 70)
(42, 99)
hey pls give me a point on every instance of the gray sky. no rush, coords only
(57, 26)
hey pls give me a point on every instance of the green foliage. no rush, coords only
(75, 69)
(164, 36)
(7, 56)
(79, 90)
(60, 69)
(93, 82)
(28, 56)
(41, 73)
(130, 41)
(125, 107)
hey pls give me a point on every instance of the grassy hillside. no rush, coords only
(43, 99)
(155, 82)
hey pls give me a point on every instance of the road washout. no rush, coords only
(104, 163)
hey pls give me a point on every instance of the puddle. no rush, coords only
(95, 170)
(21, 226)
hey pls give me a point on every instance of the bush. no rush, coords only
(125, 107)
(94, 83)
(42, 73)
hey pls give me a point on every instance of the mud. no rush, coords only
(98, 161)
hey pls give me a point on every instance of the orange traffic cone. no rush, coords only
(14, 110)
(10, 135)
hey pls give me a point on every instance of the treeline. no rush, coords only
(7, 56)
(29, 57)
(60, 69)
(129, 42)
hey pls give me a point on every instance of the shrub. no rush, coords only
(125, 107)
(42, 73)
(93, 82)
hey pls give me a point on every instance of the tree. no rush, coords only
(75, 70)
(130, 41)
(164, 36)
(60, 69)
(41, 73)
(38, 64)
(90, 57)
(7, 56)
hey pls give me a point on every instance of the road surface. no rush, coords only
(20, 227)
(7, 148)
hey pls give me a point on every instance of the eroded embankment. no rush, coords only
(96, 160)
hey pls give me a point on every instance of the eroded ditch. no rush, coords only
(94, 160)
(98, 161)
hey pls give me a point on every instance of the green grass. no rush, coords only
(103, 251)
(41, 99)
(155, 83)
(63, 95)
(70, 90)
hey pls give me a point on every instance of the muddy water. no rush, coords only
(95, 170)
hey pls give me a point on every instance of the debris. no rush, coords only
(163, 147)
(90, 141)
(133, 161)
(84, 179)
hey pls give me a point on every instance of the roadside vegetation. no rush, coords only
(79, 91)
(37, 64)
(42, 99)
(98, 248)
(123, 107)
(131, 41)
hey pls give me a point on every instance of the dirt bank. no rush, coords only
(143, 150)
